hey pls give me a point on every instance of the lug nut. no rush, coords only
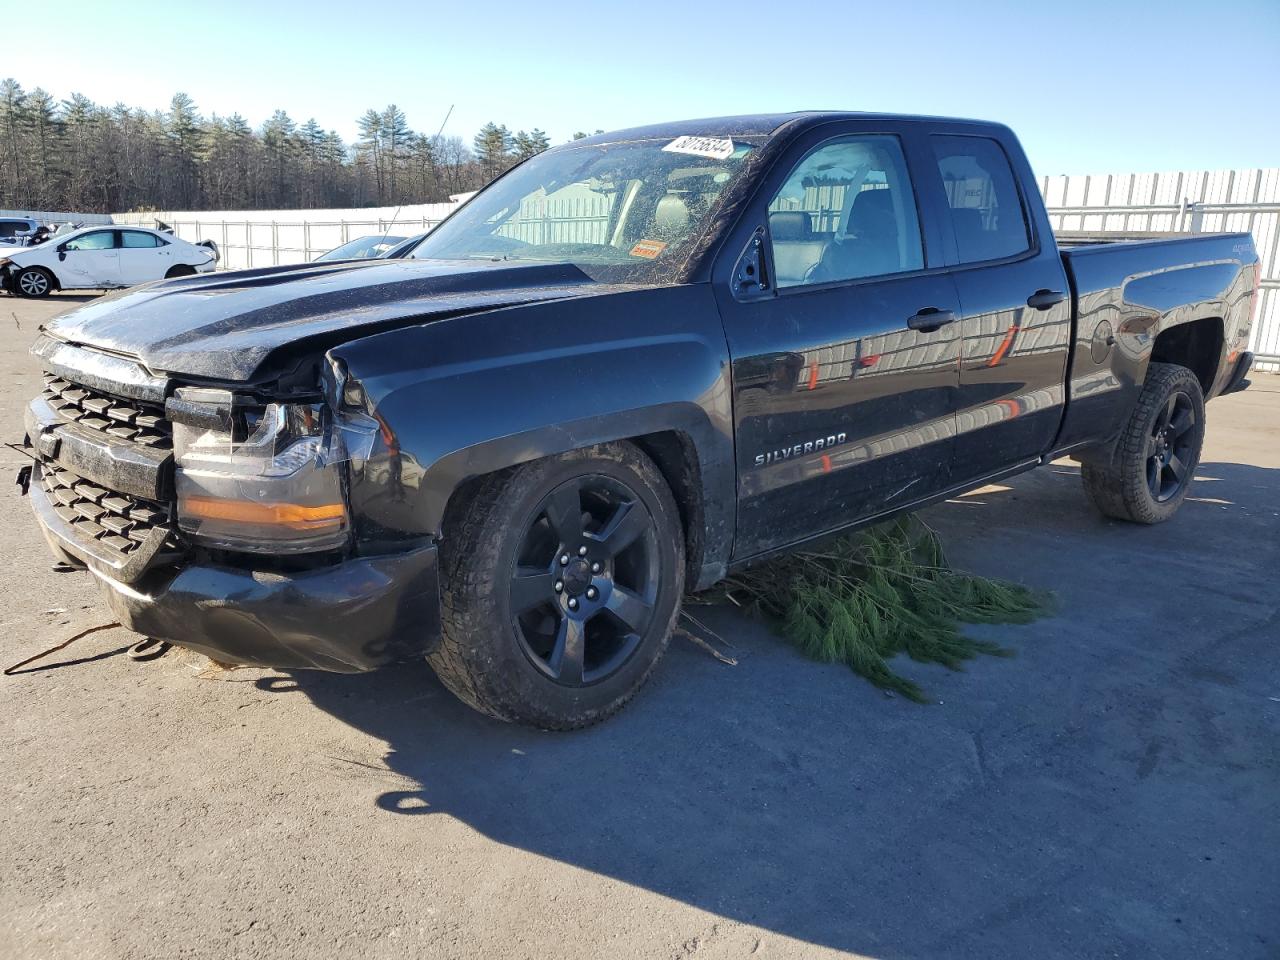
(591, 593)
(573, 604)
(595, 568)
(582, 551)
(559, 586)
(564, 559)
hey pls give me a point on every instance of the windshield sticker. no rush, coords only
(649, 249)
(713, 148)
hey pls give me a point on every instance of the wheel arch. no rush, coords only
(696, 466)
(43, 268)
(1195, 344)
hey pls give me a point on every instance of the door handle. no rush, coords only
(930, 319)
(1044, 299)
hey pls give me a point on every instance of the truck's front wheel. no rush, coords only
(561, 583)
(1146, 477)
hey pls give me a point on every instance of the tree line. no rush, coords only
(82, 156)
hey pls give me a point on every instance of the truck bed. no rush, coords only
(1127, 290)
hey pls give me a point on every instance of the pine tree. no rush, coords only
(493, 150)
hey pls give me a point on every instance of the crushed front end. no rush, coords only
(219, 520)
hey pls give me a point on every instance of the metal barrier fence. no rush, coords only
(243, 244)
(1181, 202)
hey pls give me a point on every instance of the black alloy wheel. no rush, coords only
(1171, 448)
(560, 583)
(585, 580)
(1143, 475)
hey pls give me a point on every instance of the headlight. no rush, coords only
(263, 478)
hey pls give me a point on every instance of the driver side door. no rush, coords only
(90, 260)
(845, 360)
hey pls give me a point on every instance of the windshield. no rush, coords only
(621, 212)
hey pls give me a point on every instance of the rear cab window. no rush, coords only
(847, 211)
(983, 202)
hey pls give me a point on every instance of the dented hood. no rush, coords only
(225, 326)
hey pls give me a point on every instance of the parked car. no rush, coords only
(102, 258)
(15, 231)
(628, 367)
(362, 248)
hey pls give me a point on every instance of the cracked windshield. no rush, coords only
(620, 211)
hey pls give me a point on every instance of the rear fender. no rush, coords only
(459, 398)
(1117, 329)
(1166, 299)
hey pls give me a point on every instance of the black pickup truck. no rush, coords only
(628, 366)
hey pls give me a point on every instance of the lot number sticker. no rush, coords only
(714, 148)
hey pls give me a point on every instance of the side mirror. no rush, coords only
(62, 252)
(750, 276)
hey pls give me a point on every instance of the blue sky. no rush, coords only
(1089, 86)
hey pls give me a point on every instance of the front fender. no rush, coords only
(465, 396)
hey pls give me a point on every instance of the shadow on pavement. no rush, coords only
(1068, 803)
(60, 297)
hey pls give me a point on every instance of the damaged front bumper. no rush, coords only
(349, 617)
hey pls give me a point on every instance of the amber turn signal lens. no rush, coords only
(291, 515)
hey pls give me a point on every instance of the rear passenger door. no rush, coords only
(1014, 300)
(143, 257)
(845, 360)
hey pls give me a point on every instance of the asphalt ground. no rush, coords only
(1112, 791)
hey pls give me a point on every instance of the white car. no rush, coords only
(102, 258)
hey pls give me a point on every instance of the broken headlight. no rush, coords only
(265, 478)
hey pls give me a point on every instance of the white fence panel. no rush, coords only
(264, 238)
(1186, 201)
(59, 216)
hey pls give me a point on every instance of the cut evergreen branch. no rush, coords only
(864, 598)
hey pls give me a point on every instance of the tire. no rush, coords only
(33, 283)
(511, 572)
(1154, 460)
(180, 270)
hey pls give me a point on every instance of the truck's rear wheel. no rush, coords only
(1150, 470)
(561, 584)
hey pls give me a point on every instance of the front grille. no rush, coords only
(116, 521)
(130, 420)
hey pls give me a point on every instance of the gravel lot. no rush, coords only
(1112, 791)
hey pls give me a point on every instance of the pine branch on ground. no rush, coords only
(864, 598)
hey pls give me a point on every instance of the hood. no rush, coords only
(225, 326)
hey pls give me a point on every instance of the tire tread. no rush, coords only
(473, 530)
(1118, 485)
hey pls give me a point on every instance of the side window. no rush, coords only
(8, 228)
(846, 211)
(982, 194)
(98, 240)
(136, 238)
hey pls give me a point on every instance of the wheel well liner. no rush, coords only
(677, 461)
(1196, 345)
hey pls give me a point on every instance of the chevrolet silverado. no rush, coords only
(627, 367)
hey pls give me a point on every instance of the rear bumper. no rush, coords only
(347, 618)
(1237, 382)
